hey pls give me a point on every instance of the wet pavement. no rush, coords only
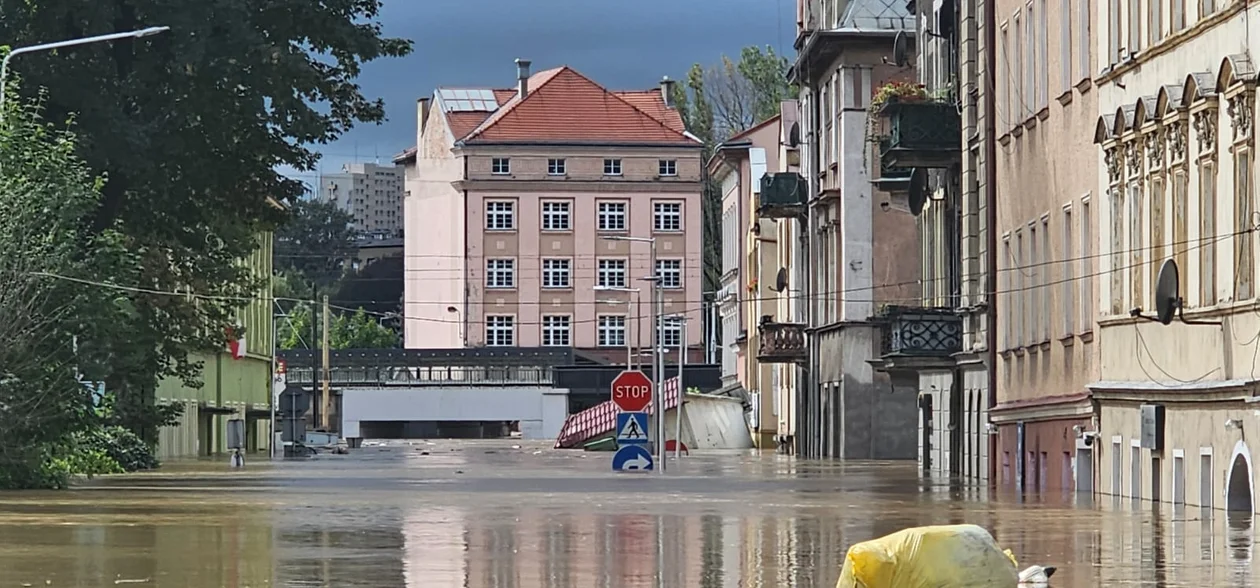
(494, 514)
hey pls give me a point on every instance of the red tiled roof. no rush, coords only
(650, 101)
(564, 105)
(462, 123)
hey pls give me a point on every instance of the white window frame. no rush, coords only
(1043, 56)
(612, 216)
(1177, 16)
(500, 273)
(1135, 28)
(611, 272)
(500, 330)
(1007, 279)
(1065, 46)
(667, 217)
(1021, 292)
(1115, 35)
(1068, 279)
(1085, 285)
(612, 167)
(611, 330)
(556, 166)
(557, 215)
(667, 168)
(671, 335)
(557, 330)
(500, 215)
(1044, 299)
(501, 166)
(557, 273)
(1154, 22)
(669, 272)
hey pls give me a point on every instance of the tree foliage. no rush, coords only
(356, 330)
(315, 243)
(722, 100)
(186, 130)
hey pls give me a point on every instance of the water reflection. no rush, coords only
(481, 516)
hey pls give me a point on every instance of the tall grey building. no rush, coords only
(370, 193)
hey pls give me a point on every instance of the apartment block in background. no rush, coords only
(372, 194)
(512, 198)
(749, 269)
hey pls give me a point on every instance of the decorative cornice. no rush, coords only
(546, 187)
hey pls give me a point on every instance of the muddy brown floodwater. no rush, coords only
(490, 515)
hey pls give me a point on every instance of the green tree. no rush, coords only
(49, 298)
(355, 330)
(315, 243)
(720, 101)
(188, 129)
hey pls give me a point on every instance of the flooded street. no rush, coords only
(488, 515)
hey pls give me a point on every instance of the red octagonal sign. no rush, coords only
(631, 391)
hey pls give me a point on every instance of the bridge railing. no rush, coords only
(457, 375)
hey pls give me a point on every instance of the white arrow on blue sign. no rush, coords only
(632, 428)
(632, 458)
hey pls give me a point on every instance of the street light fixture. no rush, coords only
(4, 65)
(463, 337)
(658, 370)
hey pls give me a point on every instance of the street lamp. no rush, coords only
(681, 319)
(658, 370)
(638, 315)
(4, 65)
(463, 338)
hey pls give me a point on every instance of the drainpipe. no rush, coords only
(812, 438)
(990, 172)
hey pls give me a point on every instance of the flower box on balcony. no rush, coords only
(921, 133)
(783, 195)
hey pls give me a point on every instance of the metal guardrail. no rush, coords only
(455, 375)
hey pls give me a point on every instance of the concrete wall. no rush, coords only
(541, 411)
(1195, 435)
(863, 415)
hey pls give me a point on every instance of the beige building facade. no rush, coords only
(529, 214)
(1176, 166)
(1046, 108)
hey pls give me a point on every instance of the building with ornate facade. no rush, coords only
(1176, 166)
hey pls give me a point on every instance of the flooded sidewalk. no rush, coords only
(502, 515)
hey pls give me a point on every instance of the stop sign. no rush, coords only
(631, 391)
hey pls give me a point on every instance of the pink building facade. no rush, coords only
(511, 197)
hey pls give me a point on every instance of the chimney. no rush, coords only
(422, 114)
(667, 90)
(522, 78)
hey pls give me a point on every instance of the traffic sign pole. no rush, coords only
(632, 392)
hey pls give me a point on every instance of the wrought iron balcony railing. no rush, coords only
(910, 331)
(922, 134)
(782, 343)
(891, 179)
(783, 195)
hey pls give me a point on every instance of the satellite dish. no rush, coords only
(901, 49)
(794, 135)
(781, 280)
(1167, 296)
(918, 194)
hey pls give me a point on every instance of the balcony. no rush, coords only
(893, 180)
(783, 195)
(921, 134)
(915, 332)
(782, 343)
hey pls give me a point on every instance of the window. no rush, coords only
(1135, 471)
(667, 217)
(1155, 194)
(1181, 229)
(1206, 7)
(612, 331)
(612, 216)
(612, 273)
(1033, 271)
(1008, 322)
(1178, 16)
(500, 273)
(1244, 242)
(500, 216)
(1137, 246)
(555, 216)
(556, 273)
(1066, 14)
(1006, 87)
(1043, 56)
(1021, 290)
(1207, 234)
(1154, 22)
(1206, 489)
(555, 167)
(500, 166)
(1117, 250)
(669, 272)
(1043, 275)
(1113, 24)
(671, 335)
(1117, 473)
(1020, 83)
(555, 331)
(1087, 267)
(668, 167)
(1135, 28)
(1069, 286)
(500, 331)
(612, 167)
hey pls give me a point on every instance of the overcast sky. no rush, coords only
(620, 44)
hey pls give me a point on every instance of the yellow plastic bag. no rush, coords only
(947, 556)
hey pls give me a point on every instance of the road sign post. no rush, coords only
(632, 393)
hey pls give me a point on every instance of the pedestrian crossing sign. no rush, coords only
(632, 428)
